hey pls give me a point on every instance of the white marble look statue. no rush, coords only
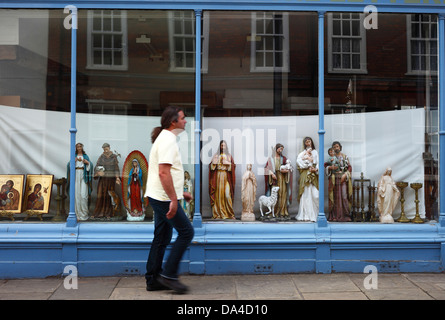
(387, 197)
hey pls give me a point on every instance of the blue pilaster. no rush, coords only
(441, 39)
(72, 219)
(197, 265)
(322, 222)
(197, 219)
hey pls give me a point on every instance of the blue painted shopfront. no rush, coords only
(38, 249)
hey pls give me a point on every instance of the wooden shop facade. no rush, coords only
(369, 74)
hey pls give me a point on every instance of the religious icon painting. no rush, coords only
(11, 193)
(37, 195)
(134, 179)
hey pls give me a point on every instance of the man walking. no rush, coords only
(164, 189)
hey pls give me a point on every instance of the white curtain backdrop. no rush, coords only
(38, 142)
(372, 141)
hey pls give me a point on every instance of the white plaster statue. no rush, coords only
(387, 197)
(269, 202)
(248, 194)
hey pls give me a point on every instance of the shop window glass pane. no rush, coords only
(111, 106)
(367, 108)
(35, 65)
(259, 90)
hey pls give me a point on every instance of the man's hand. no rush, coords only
(172, 210)
(167, 184)
(188, 196)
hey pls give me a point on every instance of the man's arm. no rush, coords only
(167, 183)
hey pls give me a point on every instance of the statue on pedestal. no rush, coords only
(307, 162)
(282, 178)
(387, 197)
(248, 193)
(222, 183)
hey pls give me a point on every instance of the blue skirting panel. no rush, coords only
(107, 249)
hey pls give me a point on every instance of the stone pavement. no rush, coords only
(336, 286)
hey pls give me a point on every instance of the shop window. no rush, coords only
(346, 43)
(107, 40)
(182, 41)
(385, 116)
(422, 43)
(270, 42)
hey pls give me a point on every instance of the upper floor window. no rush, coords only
(422, 43)
(346, 43)
(270, 42)
(107, 40)
(182, 41)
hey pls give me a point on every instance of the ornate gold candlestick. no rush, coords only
(402, 185)
(416, 187)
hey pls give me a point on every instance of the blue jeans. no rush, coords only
(162, 237)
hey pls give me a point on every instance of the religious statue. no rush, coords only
(188, 187)
(387, 197)
(248, 194)
(307, 162)
(83, 182)
(338, 169)
(222, 183)
(275, 176)
(107, 172)
(134, 180)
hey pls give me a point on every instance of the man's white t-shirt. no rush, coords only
(165, 150)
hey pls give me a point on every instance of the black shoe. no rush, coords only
(156, 286)
(175, 285)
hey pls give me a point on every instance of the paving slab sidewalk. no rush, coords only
(336, 286)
